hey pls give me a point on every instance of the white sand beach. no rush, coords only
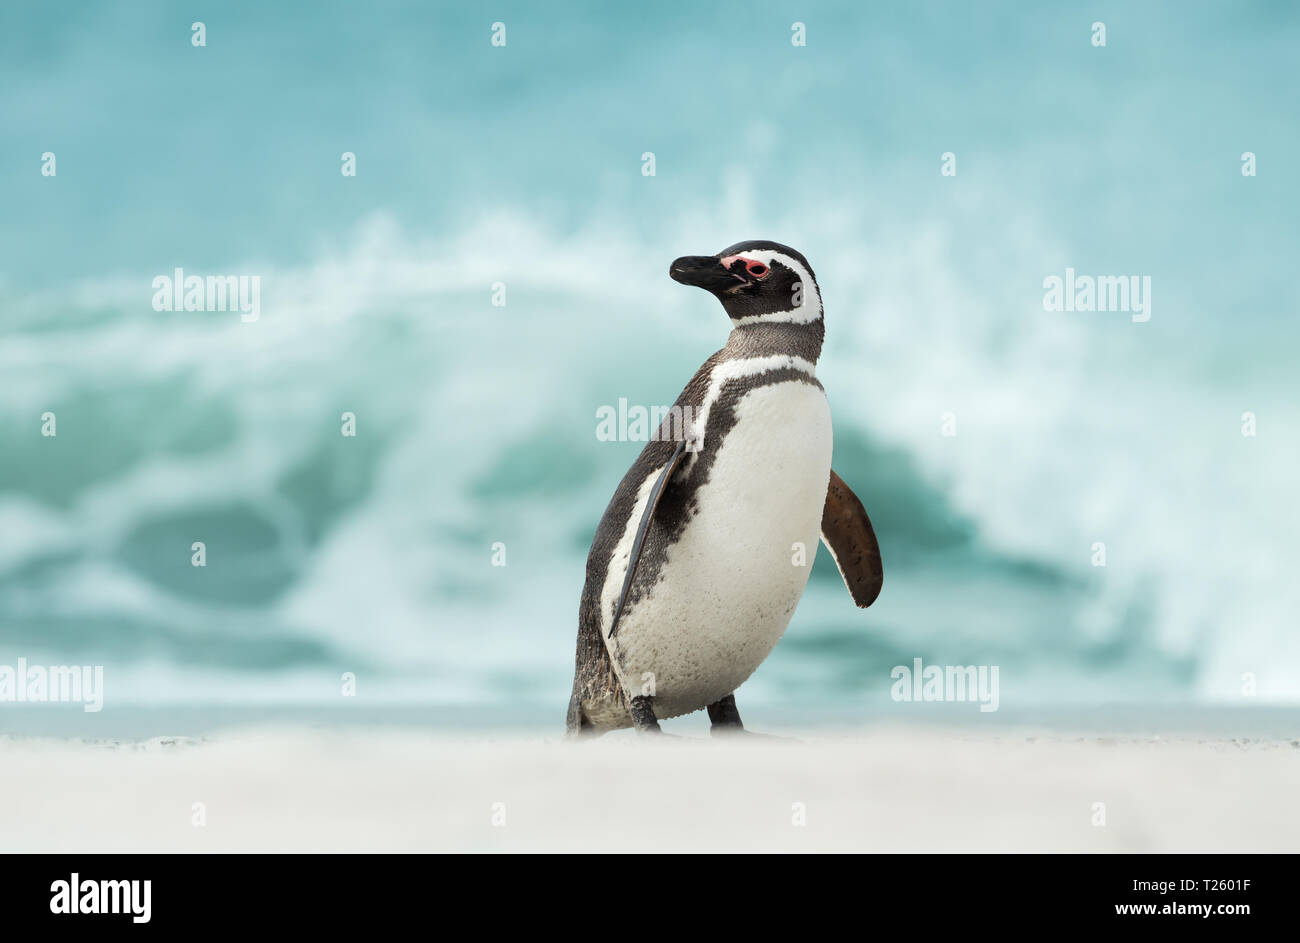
(885, 790)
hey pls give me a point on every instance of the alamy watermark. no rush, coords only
(181, 292)
(976, 683)
(68, 684)
(1131, 293)
(625, 423)
(78, 895)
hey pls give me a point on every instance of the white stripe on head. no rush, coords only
(806, 313)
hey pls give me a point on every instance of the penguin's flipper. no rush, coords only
(655, 494)
(847, 533)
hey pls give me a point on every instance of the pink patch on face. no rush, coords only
(752, 266)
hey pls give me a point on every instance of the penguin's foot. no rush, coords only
(725, 717)
(740, 732)
(726, 722)
(643, 715)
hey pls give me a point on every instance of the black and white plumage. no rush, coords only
(716, 522)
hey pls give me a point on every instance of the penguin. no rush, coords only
(705, 549)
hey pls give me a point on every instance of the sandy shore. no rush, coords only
(891, 790)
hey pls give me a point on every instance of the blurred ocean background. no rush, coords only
(476, 423)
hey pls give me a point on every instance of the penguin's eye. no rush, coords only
(757, 269)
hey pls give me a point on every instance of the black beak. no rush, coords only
(703, 271)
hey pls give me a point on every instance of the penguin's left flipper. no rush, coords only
(847, 533)
(646, 516)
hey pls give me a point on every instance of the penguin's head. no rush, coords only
(756, 281)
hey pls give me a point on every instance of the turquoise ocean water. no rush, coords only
(476, 423)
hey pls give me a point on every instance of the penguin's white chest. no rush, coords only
(730, 584)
